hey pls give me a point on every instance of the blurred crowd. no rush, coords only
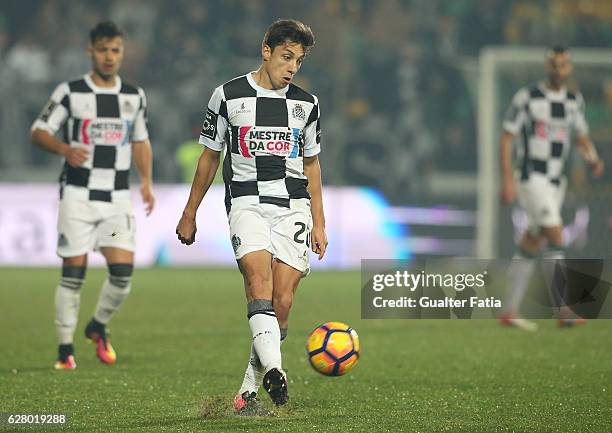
(396, 78)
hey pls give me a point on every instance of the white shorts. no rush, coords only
(542, 201)
(85, 225)
(284, 232)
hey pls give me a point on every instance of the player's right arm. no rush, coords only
(212, 137)
(204, 176)
(50, 121)
(513, 121)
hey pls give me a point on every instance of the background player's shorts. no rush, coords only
(84, 226)
(542, 201)
(285, 233)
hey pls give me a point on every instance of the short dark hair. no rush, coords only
(557, 49)
(104, 29)
(287, 30)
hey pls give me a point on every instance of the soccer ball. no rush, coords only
(333, 348)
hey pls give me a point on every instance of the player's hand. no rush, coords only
(76, 156)
(319, 241)
(598, 168)
(146, 192)
(186, 229)
(508, 192)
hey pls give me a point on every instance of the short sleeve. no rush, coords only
(215, 123)
(312, 131)
(517, 112)
(140, 131)
(55, 112)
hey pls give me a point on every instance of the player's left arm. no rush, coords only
(143, 154)
(585, 146)
(312, 171)
(143, 159)
(588, 152)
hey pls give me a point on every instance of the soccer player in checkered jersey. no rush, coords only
(270, 130)
(544, 116)
(104, 122)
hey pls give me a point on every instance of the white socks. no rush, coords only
(67, 301)
(111, 297)
(519, 273)
(254, 373)
(555, 277)
(266, 333)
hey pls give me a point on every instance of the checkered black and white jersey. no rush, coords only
(104, 121)
(545, 120)
(266, 135)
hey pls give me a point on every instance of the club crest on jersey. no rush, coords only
(276, 141)
(298, 112)
(127, 107)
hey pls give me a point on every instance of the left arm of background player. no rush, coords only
(585, 146)
(312, 171)
(143, 159)
(143, 154)
(587, 151)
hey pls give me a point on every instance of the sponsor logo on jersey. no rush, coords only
(548, 131)
(242, 110)
(105, 131)
(304, 257)
(278, 141)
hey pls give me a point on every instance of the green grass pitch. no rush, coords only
(182, 340)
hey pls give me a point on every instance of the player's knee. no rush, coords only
(283, 303)
(259, 286)
(73, 277)
(120, 274)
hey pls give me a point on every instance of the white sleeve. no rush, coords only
(580, 124)
(55, 112)
(215, 122)
(312, 131)
(140, 131)
(516, 113)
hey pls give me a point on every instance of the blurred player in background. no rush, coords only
(103, 121)
(270, 130)
(545, 115)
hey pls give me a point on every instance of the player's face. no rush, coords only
(106, 56)
(283, 62)
(559, 68)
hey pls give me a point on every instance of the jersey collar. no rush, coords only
(280, 92)
(97, 89)
(561, 93)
